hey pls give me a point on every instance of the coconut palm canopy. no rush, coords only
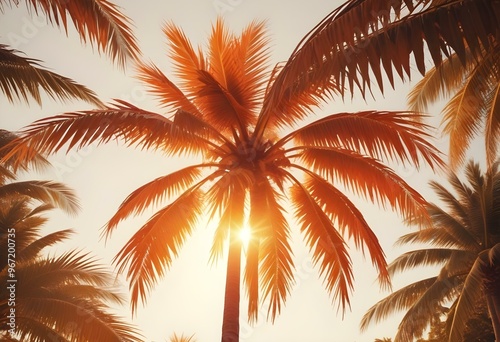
(224, 110)
(464, 239)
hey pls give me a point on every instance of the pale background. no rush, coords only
(189, 299)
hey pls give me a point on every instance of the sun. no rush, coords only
(245, 235)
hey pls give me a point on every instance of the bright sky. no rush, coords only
(189, 298)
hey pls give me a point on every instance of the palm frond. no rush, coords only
(270, 227)
(53, 193)
(22, 78)
(349, 220)
(123, 121)
(326, 244)
(398, 300)
(34, 248)
(418, 316)
(492, 125)
(422, 257)
(462, 114)
(6, 137)
(219, 106)
(472, 290)
(393, 135)
(153, 247)
(186, 61)
(365, 38)
(98, 21)
(153, 193)
(250, 64)
(366, 177)
(164, 89)
(438, 82)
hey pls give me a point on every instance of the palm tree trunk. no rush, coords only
(231, 318)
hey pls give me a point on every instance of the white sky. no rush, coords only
(189, 299)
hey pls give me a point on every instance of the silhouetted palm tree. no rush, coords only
(49, 298)
(228, 111)
(98, 22)
(465, 240)
(52, 298)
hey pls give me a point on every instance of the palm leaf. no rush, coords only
(187, 63)
(270, 227)
(352, 43)
(165, 90)
(422, 257)
(349, 220)
(398, 300)
(124, 121)
(152, 248)
(98, 21)
(461, 115)
(34, 248)
(365, 176)
(392, 135)
(6, 137)
(153, 193)
(438, 82)
(22, 78)
(250, 64)
(45, 191)
(325, 242)
(416, 319)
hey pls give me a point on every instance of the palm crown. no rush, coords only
(464, 239)
(228, 111)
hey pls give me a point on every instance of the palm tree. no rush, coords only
(474, 106)
(465, 240)
(99, 22)
(49, 298)
(227, 111)
(52, 298)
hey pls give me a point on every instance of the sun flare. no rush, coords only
(245, 235)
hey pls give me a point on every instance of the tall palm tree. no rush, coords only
(474, 88)
(61, 298)
(226, 111)
(465, 240)
(98, 22)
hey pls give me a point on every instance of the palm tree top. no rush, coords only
(464, 240)
(228, 111)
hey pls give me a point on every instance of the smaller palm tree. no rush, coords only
(465, 240)
(54, 298)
